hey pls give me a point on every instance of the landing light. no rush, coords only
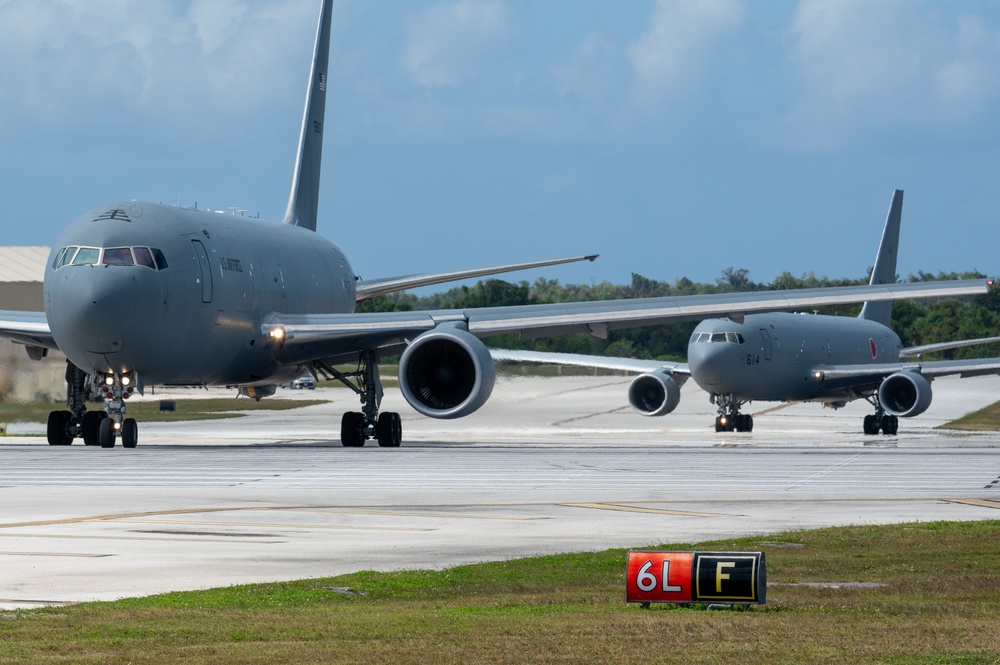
(109, 380)
(278, 334)
(118, 426)
(819, 376)
(126, 380)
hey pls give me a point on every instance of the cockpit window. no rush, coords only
(143, 257)
(728, 337)
(148, 257)
(65, 256)
(161, 260)
(118, 256)
(87, 256)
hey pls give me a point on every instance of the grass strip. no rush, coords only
(938, 605)
(984, 420)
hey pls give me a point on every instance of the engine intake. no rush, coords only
(654, 394)
(905, 394)
(446, 373)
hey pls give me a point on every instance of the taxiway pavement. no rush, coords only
(549, 465)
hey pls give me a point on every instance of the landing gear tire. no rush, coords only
(890, 425)
(106, 433)
(57, 428)
(352, 429)
(92, 427)
(130, 433)
(743, 422)
(724, 424)
(389, 430)
(871, 425)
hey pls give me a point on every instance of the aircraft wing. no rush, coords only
(313, 336)
(931, 370)
(28, 328)
(914, 351)
(376, 287)
(635, 365)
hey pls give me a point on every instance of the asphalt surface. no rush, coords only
(549, 465)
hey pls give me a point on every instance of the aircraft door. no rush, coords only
(205, 270)
(765, 338)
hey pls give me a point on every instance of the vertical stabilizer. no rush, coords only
(884, 271)
(304, 198)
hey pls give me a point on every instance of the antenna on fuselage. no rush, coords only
(884, 271)
(304, 198)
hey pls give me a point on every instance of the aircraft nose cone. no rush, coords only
(96, 304)
(708, 363)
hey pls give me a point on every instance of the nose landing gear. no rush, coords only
(730, 419)
(116, 388)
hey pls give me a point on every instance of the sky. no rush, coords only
(676, 138)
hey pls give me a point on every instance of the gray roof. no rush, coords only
(23, 264)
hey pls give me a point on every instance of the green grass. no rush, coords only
(983, 420)
(187, 409)
(940, 605)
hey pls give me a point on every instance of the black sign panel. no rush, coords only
(737, 577)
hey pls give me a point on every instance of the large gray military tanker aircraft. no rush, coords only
(141, 294)
(786, 357)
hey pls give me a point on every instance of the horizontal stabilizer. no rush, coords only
(376, 287)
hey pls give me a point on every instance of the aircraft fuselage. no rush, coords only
(184, 293)
(772, 357)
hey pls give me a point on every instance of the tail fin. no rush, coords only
(304, 198)
(884, 271)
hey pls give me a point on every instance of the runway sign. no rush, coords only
(695, 577)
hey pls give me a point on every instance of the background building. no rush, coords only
(22, 270)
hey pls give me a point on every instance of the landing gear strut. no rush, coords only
(355, 427)
(729, 418)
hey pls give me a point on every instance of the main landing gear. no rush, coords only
(880, 420)
(729, 418)
(96, 428)
(355, 427)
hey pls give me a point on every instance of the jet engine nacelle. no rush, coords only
(446, 373)
(905, 394)
(654, 394)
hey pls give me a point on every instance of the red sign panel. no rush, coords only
(659, 577)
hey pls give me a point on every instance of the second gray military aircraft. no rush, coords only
(787, 357)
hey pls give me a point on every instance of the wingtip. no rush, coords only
(592, 257)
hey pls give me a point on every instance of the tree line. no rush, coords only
(916, 322)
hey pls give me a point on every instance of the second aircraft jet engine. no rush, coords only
(446, 373)
(654, 394)
(905, 394)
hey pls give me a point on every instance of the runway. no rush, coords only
(548, 466)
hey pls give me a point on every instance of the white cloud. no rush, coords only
(104, 63)
(448, 42)
(868, 68)
(675, 51)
